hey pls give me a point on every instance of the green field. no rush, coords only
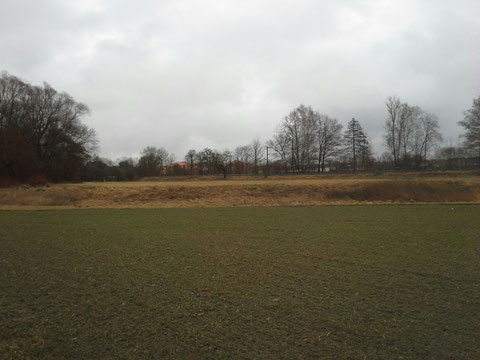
(374, 282)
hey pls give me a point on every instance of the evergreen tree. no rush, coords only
(356, 142)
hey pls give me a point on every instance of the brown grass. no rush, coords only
(259, 192)
(316, 176)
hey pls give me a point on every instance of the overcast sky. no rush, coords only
(191, 74)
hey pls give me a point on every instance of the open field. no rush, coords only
(243, 191)
(374, 282)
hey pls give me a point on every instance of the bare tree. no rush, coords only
(329, 139)
(257, 152)
(299, 130)
(280, 144)
(153, 160)
(223, 160)
(206, 161)
(409, 117)
(242, 156)
(409, 133)
(431, 134)
(471, 124)
(190, 158)
(394, 109)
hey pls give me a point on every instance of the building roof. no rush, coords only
(180, 163)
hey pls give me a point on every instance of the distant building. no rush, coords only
(177, 168)
(182, 164)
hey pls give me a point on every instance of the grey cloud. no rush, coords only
(184, 74)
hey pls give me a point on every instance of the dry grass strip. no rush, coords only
(272, 192)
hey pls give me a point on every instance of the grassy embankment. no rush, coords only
(275, 191)
(375, 282)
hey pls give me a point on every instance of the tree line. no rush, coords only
(306, 141)
(42, 135)
(410, 134)
(154, 162)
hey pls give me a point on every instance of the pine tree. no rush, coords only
(356, 142)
